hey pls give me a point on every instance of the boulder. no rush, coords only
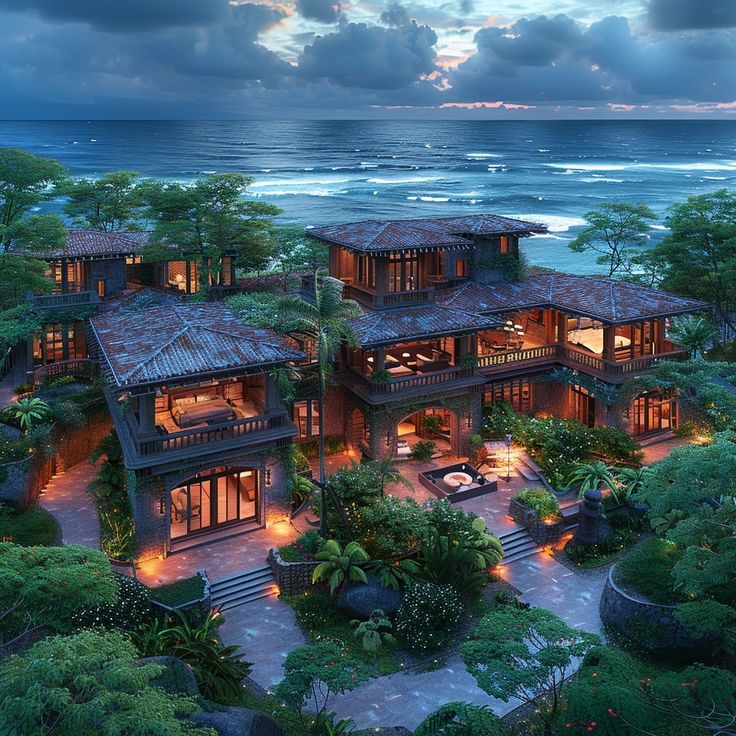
(236, 721)
(178, 677)
(359, 600)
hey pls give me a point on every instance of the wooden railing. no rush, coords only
(389, 299)
(420, 381)
(191, 439)
(80, 367)
(70, 299)
(517, 356)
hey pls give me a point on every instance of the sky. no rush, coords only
(502, 59)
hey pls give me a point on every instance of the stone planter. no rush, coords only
(199, 606)
(292, 578)
(542, 532)
(651, 625)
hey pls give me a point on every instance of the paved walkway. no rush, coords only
(66, 499)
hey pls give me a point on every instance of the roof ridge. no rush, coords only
(157, 351)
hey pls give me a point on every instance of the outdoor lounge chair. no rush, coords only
(179, 502)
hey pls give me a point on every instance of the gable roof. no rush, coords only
(604, 299)
(175, 341)
(90, 243)
(376, 328)
(431, 233)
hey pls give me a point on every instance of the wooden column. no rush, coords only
(609, 342)
(562, 328)
(381, 275)
(272, 395)
(146, 414)
(549, 324)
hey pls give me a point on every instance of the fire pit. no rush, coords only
(454, 480)
(457, 482)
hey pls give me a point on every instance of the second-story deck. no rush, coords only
(67, 299)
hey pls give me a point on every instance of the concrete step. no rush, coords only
(532, 548)
(216, 535)
(245, 587)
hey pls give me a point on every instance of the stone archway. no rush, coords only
(435, 424)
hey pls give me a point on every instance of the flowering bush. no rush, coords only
(539, 500)
(428, 616)
(131, 609)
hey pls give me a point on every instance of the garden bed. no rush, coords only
(292, 578)
(183, 595)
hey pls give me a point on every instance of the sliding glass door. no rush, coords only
(654, 412)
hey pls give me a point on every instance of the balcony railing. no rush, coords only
(70, 299)
(517, 356)
(389, 299)
(423, 381)
(79, 367)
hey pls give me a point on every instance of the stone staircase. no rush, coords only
(246, 587)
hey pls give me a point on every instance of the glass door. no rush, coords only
(654, 413)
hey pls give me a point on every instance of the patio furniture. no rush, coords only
(455, 480)
(179, 498)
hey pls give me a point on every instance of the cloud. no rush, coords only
(325, 11)
(370, 57)
(395, 15)
(680, 15)
(123, 16)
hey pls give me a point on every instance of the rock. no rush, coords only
(178, 677)
(361, 599)
(235, 721)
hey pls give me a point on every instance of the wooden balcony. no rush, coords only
(417, 385)
(614, 371)
(70, 299)
(248, 434)
(78, 367)
(390, 299)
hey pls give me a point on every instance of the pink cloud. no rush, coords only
(620, 107)
(702, 108)
(498, 104)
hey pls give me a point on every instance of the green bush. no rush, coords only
(462, 719)
(647, 570)
(34, 527)
(179, 592)
(595, 555)
(423, 450)
(428, 616)
(305, 547)
(540, 500)
(132, 608)
(88, 684)
(334, 443)
(52, 584)
(390, 526)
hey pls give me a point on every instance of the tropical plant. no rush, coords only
(311, 675)
(389, 472)
(423, 450)
(540, 500)
(478, 449)
(394, 574)
(219, 669)
(526, 654)
(631, 481)
(375, 632)
(428, 616)
(340, 566)
(381, 377)
(593, 475)
(431, 423)
(462, 719)
(693, 334)
(30, 410)
(89, 684)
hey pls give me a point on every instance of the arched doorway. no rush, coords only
(214, 498)
(435, 425)
(360, 431)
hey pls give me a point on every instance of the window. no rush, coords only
(58, 342)
(366, 271)
(583, 405)
(403, 271)
(504, 246)
(306, 418)
(655, 412)
(516, 392)
(461, 268)
(101, 288)
(133, 260)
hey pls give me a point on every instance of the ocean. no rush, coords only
(321, 172)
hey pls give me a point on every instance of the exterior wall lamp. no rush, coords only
(162, 505)
(267, 474)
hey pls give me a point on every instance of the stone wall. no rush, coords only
(651, 625)
(541, 532)
(293, 578)
(113, 273)
(550, 398)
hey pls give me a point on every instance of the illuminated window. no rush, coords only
(504, 244)
(461, 268)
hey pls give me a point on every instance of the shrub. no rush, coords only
(88, 684)
(339, 566)
(131, 608)
(34, 527)
(374, 632)
(179, 592)
(333, 444)
(540, 500)
(462, 719)
(428, 616)
(423, 450)
(52, 583)
(390, 526)
(658, 557)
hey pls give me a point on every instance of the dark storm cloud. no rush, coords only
(680, 15)
(370, 57)
(325, 11)
(543, 60)
(395, 15)
(123, 15)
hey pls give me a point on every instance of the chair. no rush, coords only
(179, 498)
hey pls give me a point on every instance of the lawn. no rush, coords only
(647, 570)
(182, 591)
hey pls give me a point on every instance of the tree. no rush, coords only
(111, 203)
(340, 566)
(388, 471)
(631, 480)
(613, 228)
(208, 220)
(312, 674)
(526, 654)
(88, 684)
(594, 475)
(462, 719)
(693, 334)
(700, 251)
(296, 251)
(24, 182)
(325, 322)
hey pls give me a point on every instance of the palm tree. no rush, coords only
(326, 322)
(693, 334)
(30, 410)
(593, 475)
(339, 566)
(389, 472)
(632, 480)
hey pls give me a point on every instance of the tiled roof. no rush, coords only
(608, 300)
(389, 326)
(372, 236)
(86, 243)
(136, 300)
(175, 341)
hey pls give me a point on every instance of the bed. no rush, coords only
(592, 339)
(190, 411)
